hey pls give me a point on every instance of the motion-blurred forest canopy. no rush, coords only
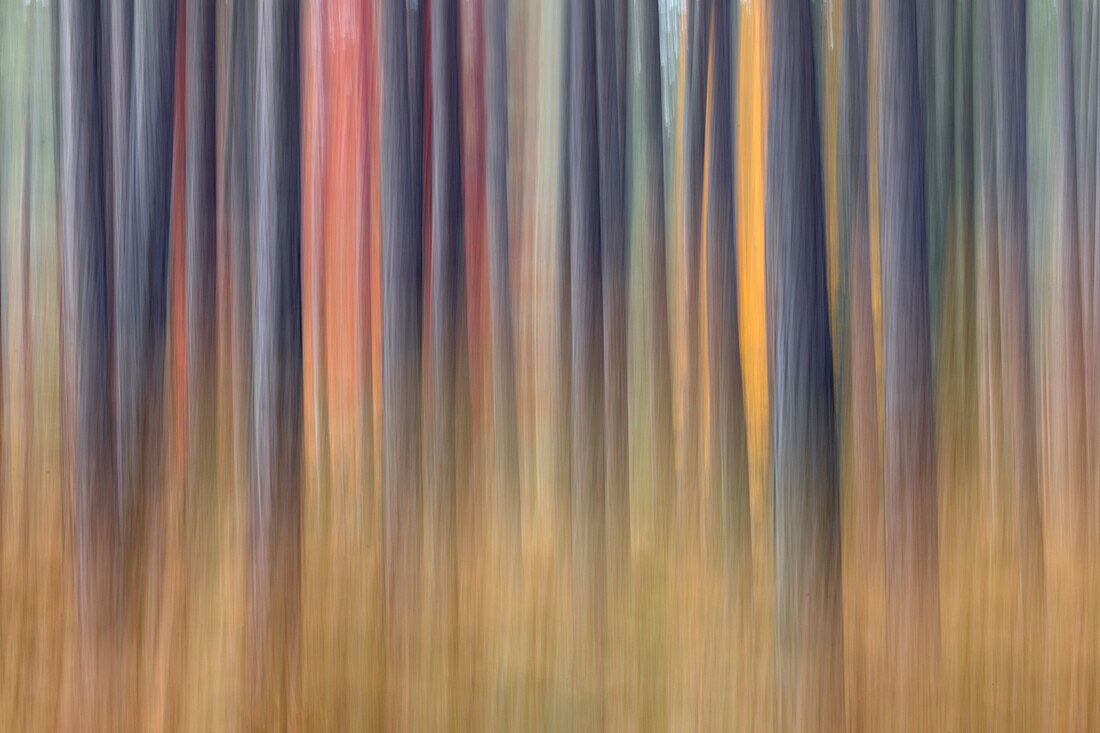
(579, 365)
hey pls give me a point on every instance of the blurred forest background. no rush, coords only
(580, 365)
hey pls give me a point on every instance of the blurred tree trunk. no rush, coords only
(201, 267)
(728, 511)
(87, 326)
(418, 32)
(239, 99)
(446, 276)
(564, 368)
(276, 367)
(939, 60)
(1072, 387)
(1087, 101)
(401, 354)
(498, 246)
(586, 284)
(694, 124)
(867, 638)
(809, 669)
(117, 78)
(141, 272)
(1093, 331)
(1068, 498)
(654, 235)
(912, 565)
(1008, 36)
(615, 269)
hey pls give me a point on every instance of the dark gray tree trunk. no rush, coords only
(119, 32)
(912, 558)
(402, 264)
(809, 670)
(586, 289)
(141, 273)
(729, 460)
(500, 283)
(201, 267)
(86, 319)
(612, 162)
(446, 275)
(277, 361)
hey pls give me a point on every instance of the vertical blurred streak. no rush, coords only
(367, 274)
(27, 201)
(318, 327)
(1091, 165)
(141, 303)
(655, 235)
(939, 63)
(808, 633)
(867, 633)
(498, 250)
(1094, 305)
(417, 30)
(1072, 409)
(959, 397)
(446, 276)
(239, 203)
(728, 510)
(564, 366)
(201, 266)
(694, 113)
(1008, 37)
(401, 353)
(27, 540)
(1089, 100)
(368, 223)
(119, 59)
(912, 558)
(586, 278)
(1068, 498)
(612, 162)
(276, 369)
(473, 103)
(87, 327)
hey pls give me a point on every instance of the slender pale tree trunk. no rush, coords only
(808, 624)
